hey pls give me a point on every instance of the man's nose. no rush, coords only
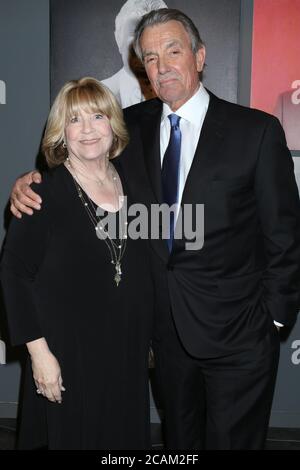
(162, 65)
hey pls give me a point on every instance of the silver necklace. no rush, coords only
(116, 248)
(98, 180)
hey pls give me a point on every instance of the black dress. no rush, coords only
(58, 283)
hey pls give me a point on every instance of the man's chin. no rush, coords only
(170, 98)
(170, 91)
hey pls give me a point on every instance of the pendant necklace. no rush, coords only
(116, 247)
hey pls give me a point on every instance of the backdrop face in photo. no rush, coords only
(275, 84)
(92, 38)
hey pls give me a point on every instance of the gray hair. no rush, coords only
(163, 15)
(134, 9)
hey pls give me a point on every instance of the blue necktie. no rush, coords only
(170, 171)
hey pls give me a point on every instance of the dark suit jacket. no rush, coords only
(225, 296)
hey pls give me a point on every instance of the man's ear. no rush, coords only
(200, 58)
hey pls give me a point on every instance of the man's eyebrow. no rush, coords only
(170, 44)
(147, 53)
(175, 42)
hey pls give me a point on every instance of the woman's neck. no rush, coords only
(95, 169)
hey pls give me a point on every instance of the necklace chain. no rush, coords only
(116, 248)
(98, 180)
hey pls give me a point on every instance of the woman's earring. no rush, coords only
(64, 145)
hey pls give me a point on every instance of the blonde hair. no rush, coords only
(88, 94)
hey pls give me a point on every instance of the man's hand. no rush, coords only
(23, 199)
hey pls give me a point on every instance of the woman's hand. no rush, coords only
(22, 198)
(46, 370)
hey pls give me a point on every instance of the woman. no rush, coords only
(75, 292)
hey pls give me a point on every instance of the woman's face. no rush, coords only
(88, 136)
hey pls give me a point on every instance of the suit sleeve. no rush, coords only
(279, 211)
(24, 250)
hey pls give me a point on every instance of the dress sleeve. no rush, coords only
(23, 253)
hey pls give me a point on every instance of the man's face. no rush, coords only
(170, 63)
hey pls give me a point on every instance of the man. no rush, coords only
(216, 346)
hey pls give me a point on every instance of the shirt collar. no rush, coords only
(192, 109)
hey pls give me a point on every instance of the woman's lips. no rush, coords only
(89, 141)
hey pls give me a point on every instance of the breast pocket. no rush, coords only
(231, 184)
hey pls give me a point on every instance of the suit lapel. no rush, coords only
(207, 151)
(203, 167)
